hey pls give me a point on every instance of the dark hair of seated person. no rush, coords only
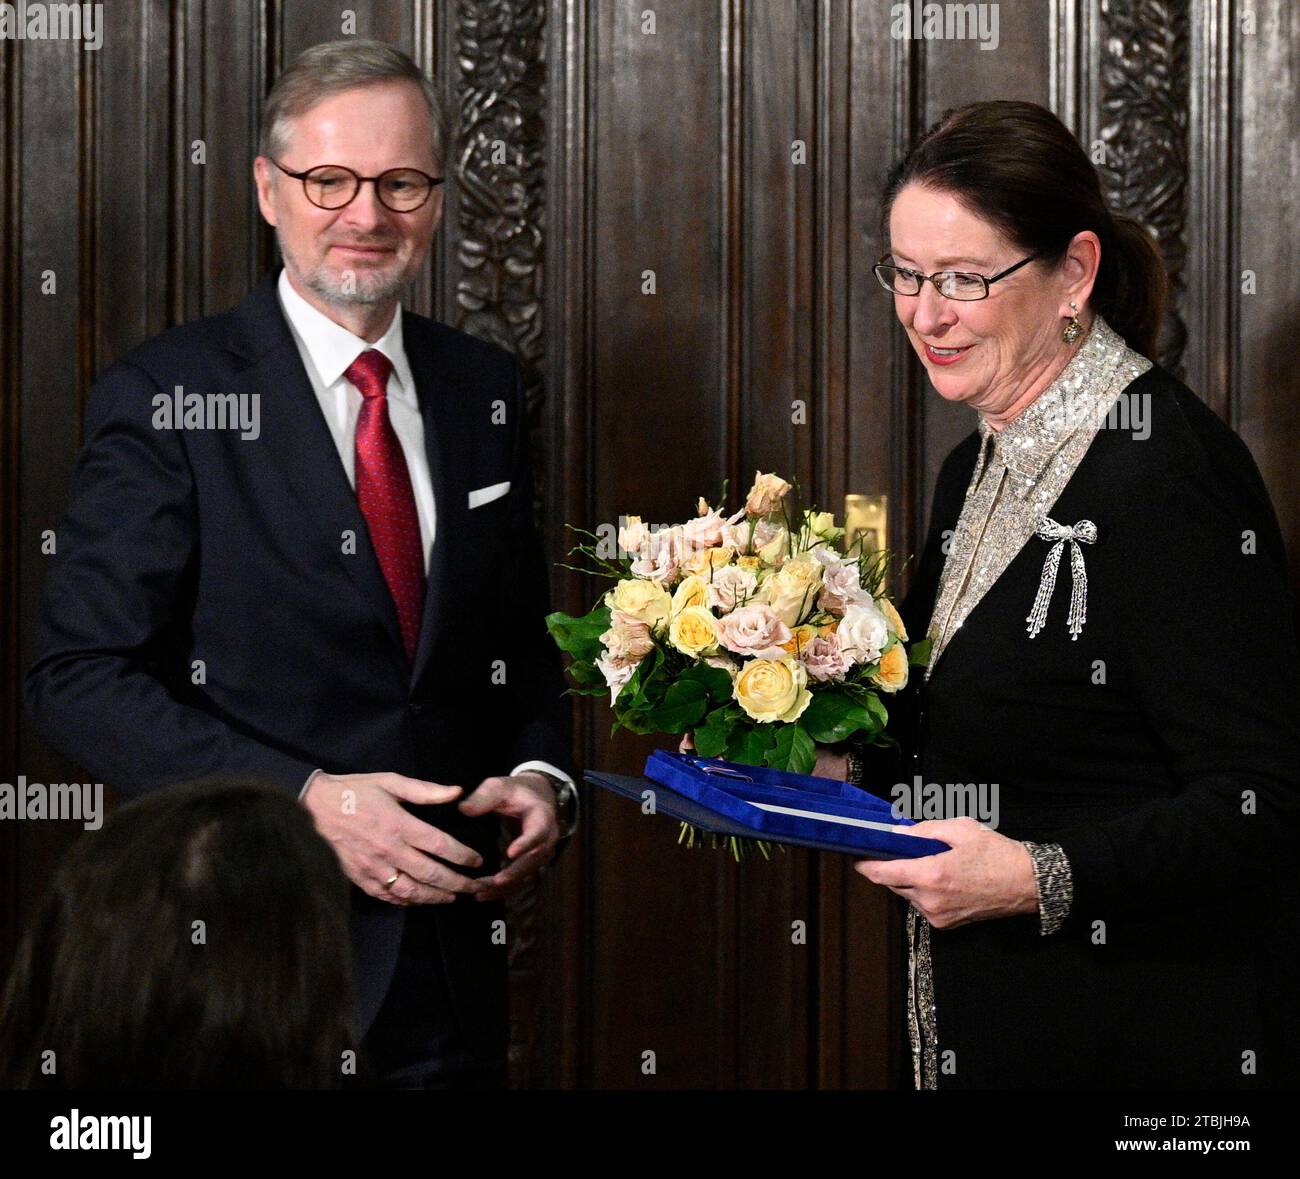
(198, 940)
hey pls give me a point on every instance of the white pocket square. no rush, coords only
(485, 495)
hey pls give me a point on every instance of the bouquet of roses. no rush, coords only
(757, 632)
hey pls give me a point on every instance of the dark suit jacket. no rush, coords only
(185, 548)
(1160, 751)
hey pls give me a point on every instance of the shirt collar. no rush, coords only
(332, 348)
(1026, 444)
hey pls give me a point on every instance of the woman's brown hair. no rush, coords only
(1016, 165)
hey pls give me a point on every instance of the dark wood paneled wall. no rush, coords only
(670, 151)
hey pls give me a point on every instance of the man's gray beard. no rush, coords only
(368, 289)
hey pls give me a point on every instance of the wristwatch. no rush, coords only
(856, 770)
(566, 804)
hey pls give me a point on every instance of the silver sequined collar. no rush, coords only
(1027, 443)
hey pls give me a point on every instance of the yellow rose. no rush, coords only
(694, 631)
(892, 672)
(691, 591)
(773, 689)
(646, 601)
(886, 607)
(754, 563)
(800, 637)
(700, 562)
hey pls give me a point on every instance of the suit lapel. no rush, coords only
(295, 430)
(439, 413)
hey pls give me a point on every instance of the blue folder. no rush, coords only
(757, 802)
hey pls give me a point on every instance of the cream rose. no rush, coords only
(822, 525)
(792, 590)
(775, 549)
(773, 689)
(694, 631)
(646, 601)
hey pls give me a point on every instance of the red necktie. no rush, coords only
(385, 495)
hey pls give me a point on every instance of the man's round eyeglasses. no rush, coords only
(951, 284)
(331, 186)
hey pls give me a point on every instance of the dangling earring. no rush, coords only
(1074, 329)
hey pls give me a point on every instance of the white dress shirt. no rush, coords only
(327, 351)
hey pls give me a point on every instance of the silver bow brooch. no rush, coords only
(1084, 531)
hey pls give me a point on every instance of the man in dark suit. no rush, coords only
(341, 591)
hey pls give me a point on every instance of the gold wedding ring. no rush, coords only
(393, 878)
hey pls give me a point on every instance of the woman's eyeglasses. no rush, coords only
(951, 284)
(331, 186)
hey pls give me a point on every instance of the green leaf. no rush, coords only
(683, 707)
(833, 717)
(879, 713)
(639, 692)
(715, 680)
(587, 675)
(749, 743)
(711, 737)
(793, 751)
(579, 637)
(599, 690)
(920, 654)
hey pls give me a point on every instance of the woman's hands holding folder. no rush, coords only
(984, 875)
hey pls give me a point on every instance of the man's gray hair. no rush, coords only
(331, 68)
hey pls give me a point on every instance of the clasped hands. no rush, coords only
(374, 836)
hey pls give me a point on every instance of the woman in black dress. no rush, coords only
(1104, 582)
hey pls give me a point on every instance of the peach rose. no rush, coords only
(799, 640)
(628, 639)
(766, 494)
(892, 672)
(886, 607)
